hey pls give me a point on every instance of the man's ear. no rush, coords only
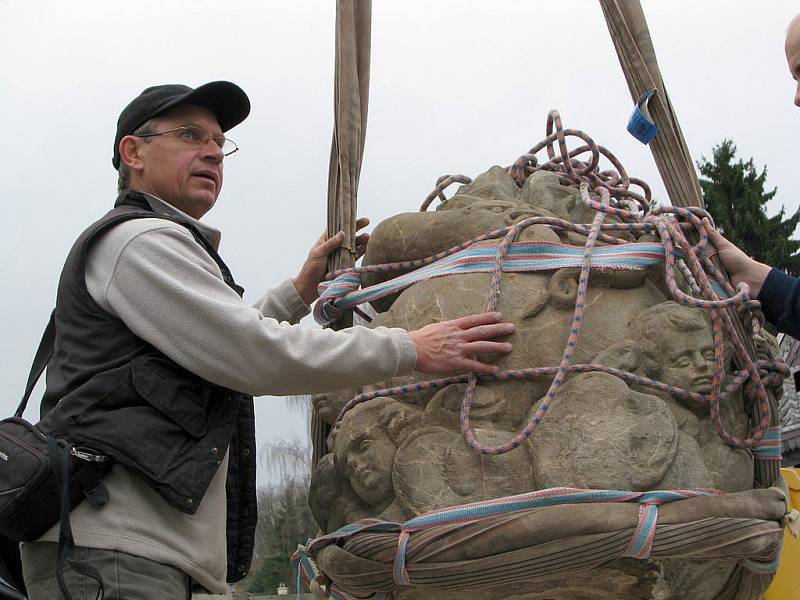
(129, 152)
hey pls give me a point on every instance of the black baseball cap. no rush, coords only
(225, 99)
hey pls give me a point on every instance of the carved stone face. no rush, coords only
(689, 360)
(681, 350)
(365, 455)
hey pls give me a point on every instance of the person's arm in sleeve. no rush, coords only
(283, 303)
(778, 292)
(169, 292)
(780, 301)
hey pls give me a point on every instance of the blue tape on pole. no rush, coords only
(641, 125)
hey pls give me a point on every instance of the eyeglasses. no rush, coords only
(197, 136)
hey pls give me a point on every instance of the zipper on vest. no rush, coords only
(88, 456)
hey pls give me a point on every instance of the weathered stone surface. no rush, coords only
(330, 404)
(398, 457)
(543, 191)
(600, 434)
(435, 469)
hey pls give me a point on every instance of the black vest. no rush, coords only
(110, 390)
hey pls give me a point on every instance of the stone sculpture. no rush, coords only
(398, 457)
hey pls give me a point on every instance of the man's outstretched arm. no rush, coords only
(164, 286)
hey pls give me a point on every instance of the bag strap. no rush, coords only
(60, 456)
(43, 355)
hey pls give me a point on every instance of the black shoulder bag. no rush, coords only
(42, 478)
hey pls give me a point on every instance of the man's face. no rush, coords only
(793, 55)
(187, 176)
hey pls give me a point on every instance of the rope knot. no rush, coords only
(772, 373)
(326, 311)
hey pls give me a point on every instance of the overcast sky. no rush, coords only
(457, 86)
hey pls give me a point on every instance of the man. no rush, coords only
(778, 292)
(792, 48)
(157, 356)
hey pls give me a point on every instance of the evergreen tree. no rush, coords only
(272, 572)
(734, 195)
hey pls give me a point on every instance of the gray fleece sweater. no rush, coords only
(153, 275)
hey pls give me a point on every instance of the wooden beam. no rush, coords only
(631, 36)
(350, 102)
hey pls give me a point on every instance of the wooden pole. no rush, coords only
(350, 102)
(631, 36)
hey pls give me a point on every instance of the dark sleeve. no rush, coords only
(780, 301)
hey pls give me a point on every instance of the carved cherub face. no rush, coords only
(688, 360)
(364, 452)
(677, 346)
(368, 465)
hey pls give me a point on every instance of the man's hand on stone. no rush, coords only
(740, 267)
(451, 346)
(316, 265)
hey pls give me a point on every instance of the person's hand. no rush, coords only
(740, 267)
(316, 266)
(449, 346)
